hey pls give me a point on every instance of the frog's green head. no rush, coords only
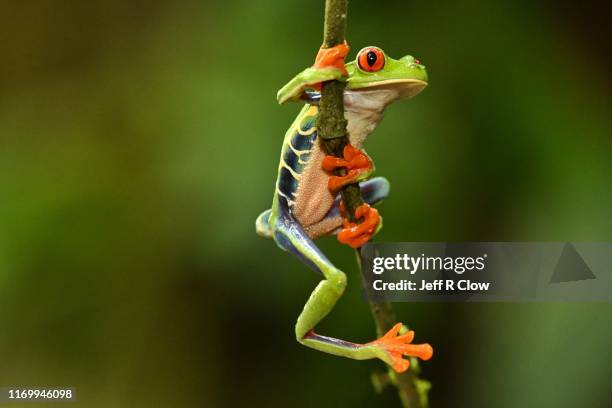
(374, 70)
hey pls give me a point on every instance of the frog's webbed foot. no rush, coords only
(356, 234)
(357, 164)
(328, 66)
(396, 346)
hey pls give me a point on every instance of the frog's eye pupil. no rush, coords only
(371, 58)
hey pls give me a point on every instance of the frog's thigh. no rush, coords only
(372, 191)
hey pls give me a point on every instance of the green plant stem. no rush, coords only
(331, 128)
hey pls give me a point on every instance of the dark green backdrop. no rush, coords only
(139, 140)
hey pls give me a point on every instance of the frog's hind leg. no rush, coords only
(373, 191)
(290, 236)
(391, 348)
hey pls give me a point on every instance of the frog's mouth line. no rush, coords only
(407, 88)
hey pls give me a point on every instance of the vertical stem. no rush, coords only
(331, 128)
(406, 382)
(331, 124)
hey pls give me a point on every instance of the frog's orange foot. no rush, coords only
(357, 164)
(332, 58)
(399, 346)
(356, 234)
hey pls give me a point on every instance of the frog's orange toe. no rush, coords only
(400, 346)
(332, 57)
(356, 234)
(356, 163)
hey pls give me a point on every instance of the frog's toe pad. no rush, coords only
(399, 346)
(357, 234)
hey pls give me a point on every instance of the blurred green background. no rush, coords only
(139, 140)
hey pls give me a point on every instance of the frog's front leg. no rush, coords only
(328, 66)
(358, 167)
(391, 348)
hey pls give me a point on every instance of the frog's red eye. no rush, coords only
(371, 59)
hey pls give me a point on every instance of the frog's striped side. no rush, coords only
(297, 146)
(298, 143)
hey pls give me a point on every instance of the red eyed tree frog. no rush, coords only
(306, 203)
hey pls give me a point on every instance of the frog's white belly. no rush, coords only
(363, 111)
